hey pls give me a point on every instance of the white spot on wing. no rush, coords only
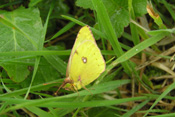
(84, 59)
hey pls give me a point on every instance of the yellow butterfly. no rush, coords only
(86, 62)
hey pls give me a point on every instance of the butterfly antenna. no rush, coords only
(50, 83)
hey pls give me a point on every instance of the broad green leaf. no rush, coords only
(118, 14)
(139, 7)
(19, 32)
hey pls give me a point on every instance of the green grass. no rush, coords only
(36, 41)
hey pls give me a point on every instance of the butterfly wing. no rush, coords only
(87, 64)
(84, 34)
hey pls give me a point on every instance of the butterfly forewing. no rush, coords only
(84, 34)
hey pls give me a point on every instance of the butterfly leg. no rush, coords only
(67, 80)
(79, 79)
(75, 89)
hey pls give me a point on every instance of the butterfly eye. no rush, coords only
(84, 59)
